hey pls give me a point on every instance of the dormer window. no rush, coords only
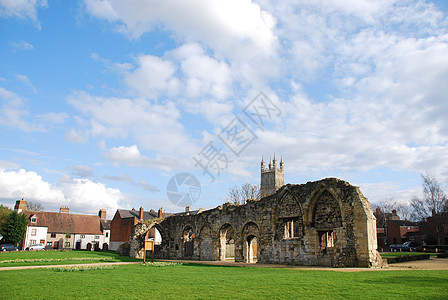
(33, 219)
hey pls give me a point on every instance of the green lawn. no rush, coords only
(34, 258)
(394, 254)
(217, 282)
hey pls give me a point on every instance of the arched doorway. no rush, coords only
(188, 241)
(205, 243)
(227, 243)
(252, 249)
(250, 234)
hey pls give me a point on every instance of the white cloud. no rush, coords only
(21, 45)
(155, 127)
(81, 195)
(131, 156)
(14, 113)
(29, 185)
(23, 9)
(153, 77)
(234, 28)
(202, 74)
(26, 80)
(89, 196)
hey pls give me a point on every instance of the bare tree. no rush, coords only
(240, 194)
(433, 204)
(34, 206)
(404, 211)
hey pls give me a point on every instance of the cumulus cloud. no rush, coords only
(29, 185)
(89, 196)
(153, 77)
(81, 195)
(230, 27)
(23, 9)
(156, 127)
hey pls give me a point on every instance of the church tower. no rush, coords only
(272, 178)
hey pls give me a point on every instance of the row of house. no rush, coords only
(392, 230)
(65, 230)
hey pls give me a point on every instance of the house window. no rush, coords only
(33, 242)
(97, 237)
(107, 234)
(53, 235)
(50, 244)
(326, 240)
(33, 220)
(42, 241)
(33, 232)
(67, 244)
(83, 236)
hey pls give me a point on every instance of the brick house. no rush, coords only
(124, 221)
(63, 230)
(400, 231)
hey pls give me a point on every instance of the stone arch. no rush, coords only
(188, 237)
(205, 243)
(250, 238)
(289, 217)
(325, 215)
(328, 201)
(227, 237)
(138, 236)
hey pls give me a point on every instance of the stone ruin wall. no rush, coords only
(322, 223)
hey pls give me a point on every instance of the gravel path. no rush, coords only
(428, 264)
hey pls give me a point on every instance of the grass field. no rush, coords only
(206, 282)
(217, 282)
(36, 258)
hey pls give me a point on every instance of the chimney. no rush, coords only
(20, 206)
(141, 213)
(102, 214)
(64, 209)
(187, 208)
(160, 212)
(378, 211)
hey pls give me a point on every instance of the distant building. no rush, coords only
(272, 178)
(63, 230)
(400, 231)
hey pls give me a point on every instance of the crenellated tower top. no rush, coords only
(272, 178)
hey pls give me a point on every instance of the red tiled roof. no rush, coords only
(66, 222)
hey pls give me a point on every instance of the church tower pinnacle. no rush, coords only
(272, 178)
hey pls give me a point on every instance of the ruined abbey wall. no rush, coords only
(323, 223)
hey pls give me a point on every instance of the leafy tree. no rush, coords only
(14, 230)
(433, 204)
(240, 195)
(4, 215)
(34, 206)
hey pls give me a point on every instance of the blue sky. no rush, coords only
(103, 102)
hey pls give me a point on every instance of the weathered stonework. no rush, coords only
(323, 223)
